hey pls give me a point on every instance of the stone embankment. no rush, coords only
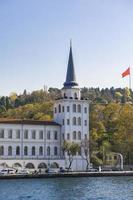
(69, 174)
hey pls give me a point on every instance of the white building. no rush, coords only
(38, 144)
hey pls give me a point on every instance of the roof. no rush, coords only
(70, 77)
(28, 122)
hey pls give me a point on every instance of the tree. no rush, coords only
(71, 149)
(85, 154)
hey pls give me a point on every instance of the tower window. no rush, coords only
(68, 136)
(79, 121)
(41, 151)
(74, 135)
(25, 134)
(79, 135)
(17, 151)
(68, 108)
(75, 95)
(85, 122)
(63, 121)
(85, 109)
(68, 121)
(1, 151)
(18, 134)
(79, 108)
(74, 120)
(59, 108)
(25, 150)
(74, 107)
(63, 108)
(9, 151)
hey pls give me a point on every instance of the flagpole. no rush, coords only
(130, 79)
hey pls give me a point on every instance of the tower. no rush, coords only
(71, 111)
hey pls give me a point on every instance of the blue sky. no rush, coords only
(34, 42)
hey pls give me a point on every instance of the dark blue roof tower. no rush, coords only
(70, 77)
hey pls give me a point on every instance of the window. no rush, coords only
(1, 133)
(79, 121)
(10, 134)
(55, 135)
(48, 135)
(74, 120)
(74, 135)
(63, 121)
(1, 151)
(75, 95)
(63, 136)
(33, 134)
(40, 151)
(68, 121)
(41, 135)
(79, 135)
(85, 109)
(74, 107)
(55, 151)
(68, 136)
(79, 108)
(59, 108)
(9, 151)
(79, 152)
(17, 151)
(63, 109)
(17, 134)
(33, 151)
(25, 134)
(48, 151)
(85, 136)
(68, 109)
(25, 150)
(55, 110)
(85, 122)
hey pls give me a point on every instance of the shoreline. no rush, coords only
(69, 174)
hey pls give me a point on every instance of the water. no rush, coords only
(89, 188)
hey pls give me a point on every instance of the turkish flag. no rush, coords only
(126, 73)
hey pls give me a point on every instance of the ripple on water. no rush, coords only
(89, 188)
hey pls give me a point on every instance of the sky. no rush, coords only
(35, 40)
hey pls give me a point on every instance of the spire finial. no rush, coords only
(70, 43)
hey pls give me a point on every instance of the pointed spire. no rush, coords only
(70, 77)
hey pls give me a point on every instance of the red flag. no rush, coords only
(126, 73)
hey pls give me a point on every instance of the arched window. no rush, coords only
(40, 151)
(74, 107)
(33, 151)
(74, 135)
(79, 135)
(1, 151)
(17, 151)
(55, 110)
(79, 108)
(59, 108)
(55, 151)
(30, 166)
(79, 121)
(48, 151)
(9, 151)
(74, 120)
(25, 150)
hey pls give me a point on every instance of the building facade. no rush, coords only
(38, 144)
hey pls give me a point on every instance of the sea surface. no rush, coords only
(89, 188)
